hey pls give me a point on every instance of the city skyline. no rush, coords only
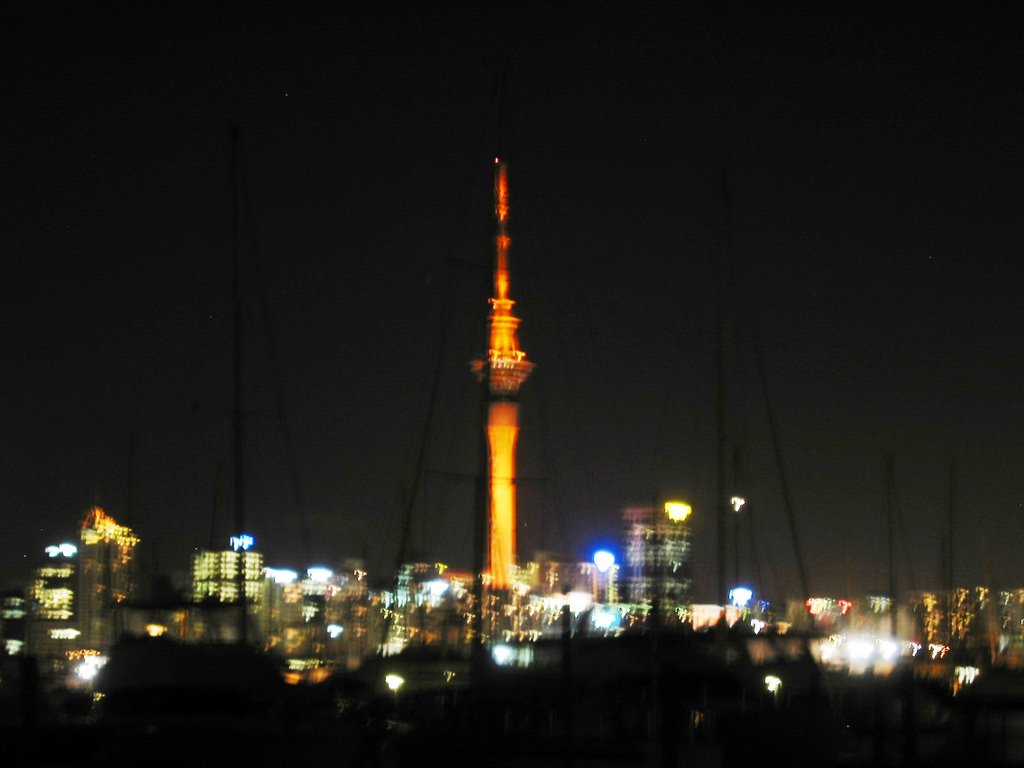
(871, 226)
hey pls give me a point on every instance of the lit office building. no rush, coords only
(216, 577)
(52, 628)
(658, 554)
(601, 579)
(13, 609)
(222, 578)
(104, 577)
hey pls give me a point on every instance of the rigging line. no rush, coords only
(949, 576)
(776, 447)
(661, 441)
(550, 488)
(904, 539)
(565, 348)
(445, 412)
(462, 418)
(421, 456)
(890, 543)
(552, 507)
(721, 437)
(217, 500)
(762, 583)
(509, 109)
(519, 479)
(551, 501)
(471, 202)
(277, 385)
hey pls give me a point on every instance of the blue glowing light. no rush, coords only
(503, 655)
(604, 560)
(605, 619)
(281, 575)
(740, 596)
(242, 541)
(62, 550)
(319, 574)
(437, 588)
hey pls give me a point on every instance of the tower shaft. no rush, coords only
(504, 371)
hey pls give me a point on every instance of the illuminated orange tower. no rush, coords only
(504, 370)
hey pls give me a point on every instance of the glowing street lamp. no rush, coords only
(773, 684)
(394, 682)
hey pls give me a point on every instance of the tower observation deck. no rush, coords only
(504, 371)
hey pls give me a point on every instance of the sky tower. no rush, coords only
(504, 370)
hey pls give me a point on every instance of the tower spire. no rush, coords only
(504, 371)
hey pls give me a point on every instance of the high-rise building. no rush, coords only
(104, 577)
(658, 554)
(504, 370)
(53, 599)
(223, 576)
(13, 612)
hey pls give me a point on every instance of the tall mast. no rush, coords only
(949, 576)
(890, 504)
(721, 503)
(238, 434)
(504, 370)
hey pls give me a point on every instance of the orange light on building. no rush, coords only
(99, 526)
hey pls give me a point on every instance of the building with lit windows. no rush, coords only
(320, 621)
(601, 579)
(221, 577)
(658, 555)
(431, 605)
(52, 611)
(963, 618)
(13, 612)
(104, 577)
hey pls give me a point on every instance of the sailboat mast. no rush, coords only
(720, 493)
(890, 503)
(237, 422)
(949, 576)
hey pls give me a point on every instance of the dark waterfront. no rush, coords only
(700, 701)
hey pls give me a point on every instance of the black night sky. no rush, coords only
(861, 169)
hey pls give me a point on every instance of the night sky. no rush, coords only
(859, 174)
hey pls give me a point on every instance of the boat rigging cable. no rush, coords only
(421, 455)
(902, 530)
(274, 368)
(773, 430)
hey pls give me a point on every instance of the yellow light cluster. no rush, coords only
(99, 526)
(63, 572)
(677, 511)
(81, 653)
